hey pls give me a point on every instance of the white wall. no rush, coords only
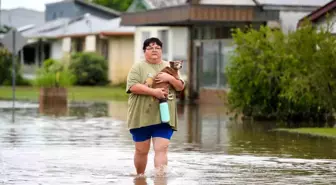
(90, 43)
(290, 19)
(324, 23)
(56, 49)
(66, 45)
(153, 32)
(177, 41)
(179, 46)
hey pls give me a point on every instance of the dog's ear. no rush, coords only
(171, 63)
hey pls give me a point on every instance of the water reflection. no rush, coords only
(156, 181)
(201, 128)
(140, 181)
(209, 128)
(92, 145)
(53, 110)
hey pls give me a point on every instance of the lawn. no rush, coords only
(74, 93)
(328, 132)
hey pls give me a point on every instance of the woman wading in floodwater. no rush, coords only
(143, 117)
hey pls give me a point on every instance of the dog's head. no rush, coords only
(176, 64)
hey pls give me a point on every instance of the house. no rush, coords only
(174, 39)
(76, 26)
(206, 39)
(320, 17)
(76, 8)
(87, 33)
(21, 17)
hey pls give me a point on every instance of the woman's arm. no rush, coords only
(177, 84)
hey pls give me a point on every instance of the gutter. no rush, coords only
(304, 8)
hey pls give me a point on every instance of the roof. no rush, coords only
(265, 2)
(293, 2)
(319, 13)
(114, 26)
(307, 5)
(83, 25)
(21, 17)
(48, 29)
(199, 14)
(92, 5)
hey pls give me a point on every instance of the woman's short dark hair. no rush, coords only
(151, 40)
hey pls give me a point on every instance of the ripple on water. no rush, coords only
(44, 150)
(98, 165)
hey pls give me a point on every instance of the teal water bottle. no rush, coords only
(164, 111)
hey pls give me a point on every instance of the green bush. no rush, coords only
(54, 74)
(89, 68)
(6, 70)
(283, 76)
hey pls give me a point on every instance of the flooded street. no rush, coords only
(91, 145)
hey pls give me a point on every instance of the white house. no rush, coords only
(87, 33)
(290, 12)
(174, 39)
(198, 31)
(319, 16)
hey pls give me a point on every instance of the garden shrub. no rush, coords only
(89, 68)
(54, 73)
(6, 70)
(283, 76)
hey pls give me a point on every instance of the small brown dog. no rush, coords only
(172, 69)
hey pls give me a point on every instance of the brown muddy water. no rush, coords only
(91, 145)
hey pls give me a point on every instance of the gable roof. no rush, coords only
(303, 3)
(21, 17)
(310, 4)
(319, 13)
(79, 26)
(92, 5)
(294, 2)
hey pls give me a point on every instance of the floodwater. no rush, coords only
(91, 145)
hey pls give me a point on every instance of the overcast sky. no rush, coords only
(40, 4)
(31, 4)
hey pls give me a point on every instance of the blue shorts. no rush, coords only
(162, 130)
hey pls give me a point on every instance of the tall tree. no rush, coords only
(119, 5)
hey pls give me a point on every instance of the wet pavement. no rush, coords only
(91, 145)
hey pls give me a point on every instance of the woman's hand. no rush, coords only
(163, 77)
(160, 93)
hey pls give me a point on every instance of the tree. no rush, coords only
(119, 5)
(4, 29)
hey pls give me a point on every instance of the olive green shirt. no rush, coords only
(143, 110)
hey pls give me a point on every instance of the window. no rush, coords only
(54, 16)
(216, 56)
(144, 35)
(163, 36)
(104, 48)
(78, 45)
